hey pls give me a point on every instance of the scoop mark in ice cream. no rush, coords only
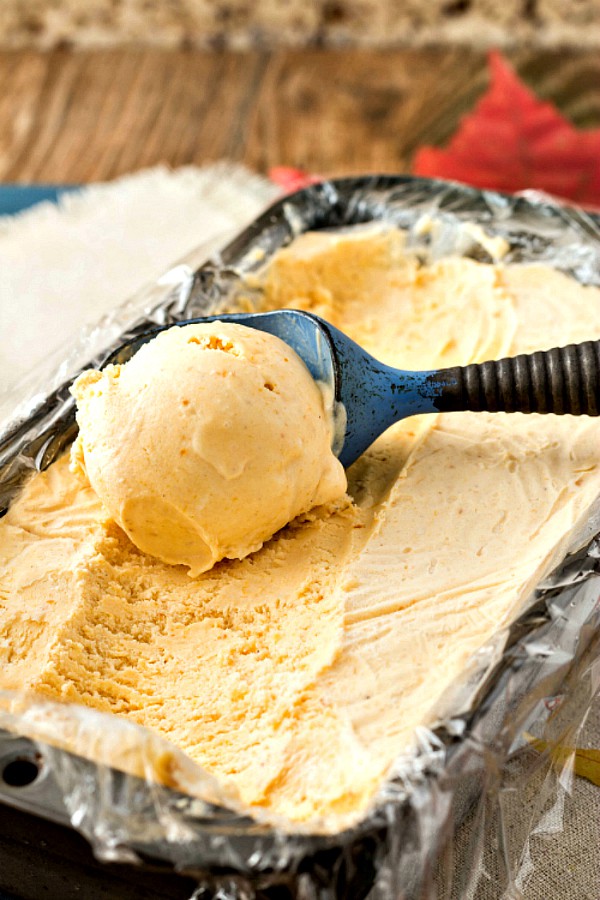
(200, 457)
(298, 675)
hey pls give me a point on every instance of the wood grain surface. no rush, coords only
(70, 116)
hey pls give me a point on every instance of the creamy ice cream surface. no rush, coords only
(297, 674)
(208, 441)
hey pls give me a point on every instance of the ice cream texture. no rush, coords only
(208, 441)
(298, 674)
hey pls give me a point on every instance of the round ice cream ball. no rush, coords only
(208, 441)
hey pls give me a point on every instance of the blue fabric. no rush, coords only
(16, 197)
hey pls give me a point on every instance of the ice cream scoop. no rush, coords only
(370, 396)
(206, 442)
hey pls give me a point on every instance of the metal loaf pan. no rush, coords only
(48, 794)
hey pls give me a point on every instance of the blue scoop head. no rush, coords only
(369, 396)
(364, 403)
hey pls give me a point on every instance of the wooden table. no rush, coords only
(71, 116)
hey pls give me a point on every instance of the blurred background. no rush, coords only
(246, 24)
(92, 89)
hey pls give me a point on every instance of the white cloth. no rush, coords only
(63, 267)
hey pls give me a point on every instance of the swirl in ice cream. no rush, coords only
(208, 441)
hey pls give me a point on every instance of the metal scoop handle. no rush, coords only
(564, 380)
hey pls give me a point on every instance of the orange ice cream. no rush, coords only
(297, 674)
(208, 441)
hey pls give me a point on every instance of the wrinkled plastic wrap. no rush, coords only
(525, 694)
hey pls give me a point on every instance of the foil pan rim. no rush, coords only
(334, 204)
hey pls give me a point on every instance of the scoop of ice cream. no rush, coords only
(208, 441)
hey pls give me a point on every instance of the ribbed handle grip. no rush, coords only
(565, 380)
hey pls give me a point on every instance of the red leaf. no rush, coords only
(513, 140)
(291, 179)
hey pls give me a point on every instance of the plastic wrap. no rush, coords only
(534, 680)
